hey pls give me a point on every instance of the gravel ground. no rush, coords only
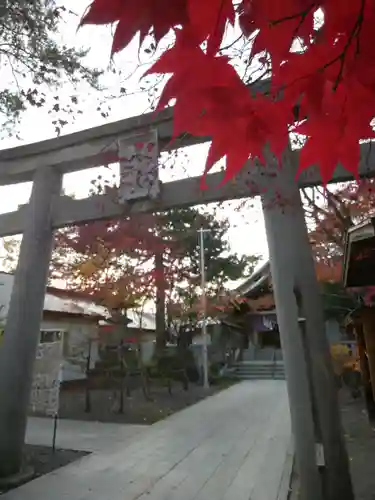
(360, 439)
(137, 410)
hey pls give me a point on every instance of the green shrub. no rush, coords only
(174, 365)
(214, 372)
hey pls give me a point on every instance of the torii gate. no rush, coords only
(292, 269)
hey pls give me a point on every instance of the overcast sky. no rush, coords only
(247, 235)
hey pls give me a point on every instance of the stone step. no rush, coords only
(253, 376)
(259, 375)
(258, 370)
(258, 363)
(244, 367)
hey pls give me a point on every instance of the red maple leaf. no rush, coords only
(209, 19)
(279, 24)
(136, 16)
(330, 76)
(220, 105)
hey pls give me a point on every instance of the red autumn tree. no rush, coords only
(110, 261)
(330, 213)
(317, 55)
(148, 256)
(125, 262)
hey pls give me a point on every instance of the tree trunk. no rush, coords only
(87, 385)
(122, 381)
(184, 340)
(160, 303)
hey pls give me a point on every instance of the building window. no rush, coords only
(49, 336)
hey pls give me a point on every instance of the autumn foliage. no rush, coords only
(318, 57)
(110, 261)
(330, 212)
(122, 263)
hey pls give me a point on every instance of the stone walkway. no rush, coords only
(232, 446)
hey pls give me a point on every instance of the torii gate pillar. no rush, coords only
(294, 280)
(22, 328)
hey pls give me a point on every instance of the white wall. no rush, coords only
(78, 331)
(147, 350)
(6, 284)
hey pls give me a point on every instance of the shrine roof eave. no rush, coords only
(359, 255)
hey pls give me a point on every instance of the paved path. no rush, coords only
(232, 446)
(77, 435)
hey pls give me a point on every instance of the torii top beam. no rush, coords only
(93, 147)
(98, 146)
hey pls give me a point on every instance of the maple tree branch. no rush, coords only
(301, 14)
(341, 211)
(230, 45)
(353, 34)
(337, 212)
(314, 206)
(341, 57)
(336, 204)
(314, 214)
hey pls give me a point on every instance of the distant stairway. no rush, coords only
(258, 370)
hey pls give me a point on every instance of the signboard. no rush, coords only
(47, 378)
(361, 264)
(139, 174)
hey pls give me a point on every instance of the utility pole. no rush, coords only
(206, 384)
(160, 301)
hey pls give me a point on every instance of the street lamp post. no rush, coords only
(206, 384)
